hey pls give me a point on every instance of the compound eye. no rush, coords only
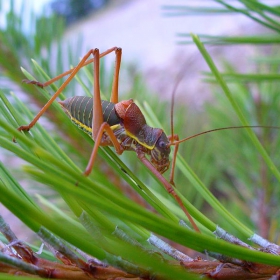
(162, 144)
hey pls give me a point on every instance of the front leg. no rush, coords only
(172, 139)
(32, 82)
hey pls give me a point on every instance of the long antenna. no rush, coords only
(178, 80)
(221, 128)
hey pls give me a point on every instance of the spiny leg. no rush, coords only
(173, 138)
(168, 187)
(97, 118)
(51, 81)
(105, 127)
(98, 125)
(72, 73)
(61, 88)
(115, 87)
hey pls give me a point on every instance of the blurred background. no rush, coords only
(147, 32)
(157, 55)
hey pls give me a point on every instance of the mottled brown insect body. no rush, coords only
(119, 124)
(128, 124)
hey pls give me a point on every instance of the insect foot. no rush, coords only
(36, 83)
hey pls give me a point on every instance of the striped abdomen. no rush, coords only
(79, 109)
